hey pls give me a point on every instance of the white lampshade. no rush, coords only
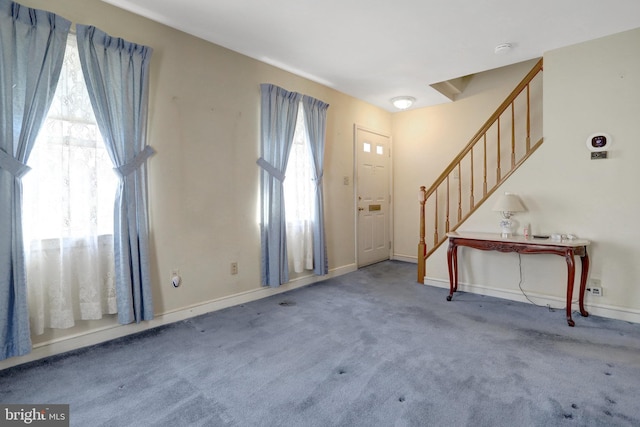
(509, 202)
(403, 102)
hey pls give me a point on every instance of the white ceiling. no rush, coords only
(375, 50)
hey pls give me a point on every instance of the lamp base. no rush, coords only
(506, 225)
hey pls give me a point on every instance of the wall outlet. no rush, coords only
(596, 292)
(234, 268)
(175, 278)
(595, 287)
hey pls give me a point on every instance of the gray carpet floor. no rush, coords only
(370, 348)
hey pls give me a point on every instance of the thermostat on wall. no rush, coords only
(599, 142)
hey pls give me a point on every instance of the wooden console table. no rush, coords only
(493, 242)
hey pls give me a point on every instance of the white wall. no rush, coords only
(203, 181)
(426, 140)
(204, 119)
(590, 87)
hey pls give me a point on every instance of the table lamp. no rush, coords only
(507, 204)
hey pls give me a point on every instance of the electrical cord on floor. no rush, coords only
(548, 306)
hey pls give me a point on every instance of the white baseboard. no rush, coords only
(97, 336)
(602, 310)
(405, 258)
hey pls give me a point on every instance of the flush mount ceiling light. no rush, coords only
(403, 102)
(503, 48)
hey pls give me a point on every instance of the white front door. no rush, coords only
(373, 197)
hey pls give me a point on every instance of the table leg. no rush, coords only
(452, 263)
(583, 281)
(571, 273)
(455, 269)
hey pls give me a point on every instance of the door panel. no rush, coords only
(373, 160)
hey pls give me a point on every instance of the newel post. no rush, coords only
(422, 246)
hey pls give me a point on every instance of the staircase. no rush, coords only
(501, 145)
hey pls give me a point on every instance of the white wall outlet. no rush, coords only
(596, 292)
(175, 278)
(234, 268)
(595, 287)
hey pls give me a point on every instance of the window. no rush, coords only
(68, 210)
(299, 196)
(279, 165)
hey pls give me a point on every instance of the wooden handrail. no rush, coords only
(485, 128)
(443, 179)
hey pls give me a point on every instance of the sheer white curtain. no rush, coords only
(299, 196)
(68, 211)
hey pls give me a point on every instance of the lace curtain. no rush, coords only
(299, 197)
(68, 211)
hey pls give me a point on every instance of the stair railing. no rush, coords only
(441, 200)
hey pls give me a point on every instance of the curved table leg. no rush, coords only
(583, 281)
(571, 272)
(452, 263)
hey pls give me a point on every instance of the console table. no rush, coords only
(494, 242)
